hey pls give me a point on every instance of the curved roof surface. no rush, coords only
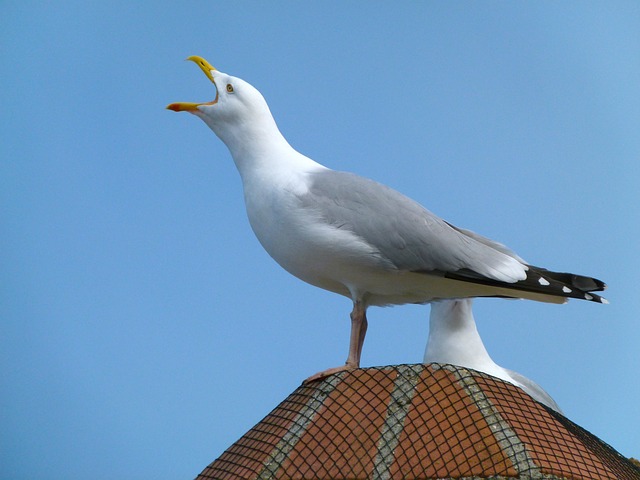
(430, 421)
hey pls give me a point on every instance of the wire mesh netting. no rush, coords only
(430, 421)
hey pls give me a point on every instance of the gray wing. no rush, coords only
(487, 241)
(402, 230)
(535, 390)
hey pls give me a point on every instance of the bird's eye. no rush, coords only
(229, 88)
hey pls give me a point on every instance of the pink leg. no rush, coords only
(358, 331)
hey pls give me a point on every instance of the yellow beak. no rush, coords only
(207, 68)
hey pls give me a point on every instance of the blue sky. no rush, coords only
(143, 327)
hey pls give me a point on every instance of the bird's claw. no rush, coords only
(328, 372)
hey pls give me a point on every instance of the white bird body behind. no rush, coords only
(454, 339)
(356, 237)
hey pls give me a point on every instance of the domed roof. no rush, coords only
(432, 421)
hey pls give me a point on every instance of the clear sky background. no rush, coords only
(144, 329)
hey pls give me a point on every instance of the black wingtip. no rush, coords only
(543, 281)
(567, 285)
(592, 297)
(578, 282)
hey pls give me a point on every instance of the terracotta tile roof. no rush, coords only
(416, 422)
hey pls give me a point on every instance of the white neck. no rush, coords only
(258, 144)
(454, 338)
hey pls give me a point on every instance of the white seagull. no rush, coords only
(454, 339)
(353, 236)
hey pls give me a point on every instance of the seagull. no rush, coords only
(454, 339)
(356, 237)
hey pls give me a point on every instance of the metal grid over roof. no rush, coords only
(431, 421)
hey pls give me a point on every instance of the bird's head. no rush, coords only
(237, 108)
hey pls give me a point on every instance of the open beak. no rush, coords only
(207, 68)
